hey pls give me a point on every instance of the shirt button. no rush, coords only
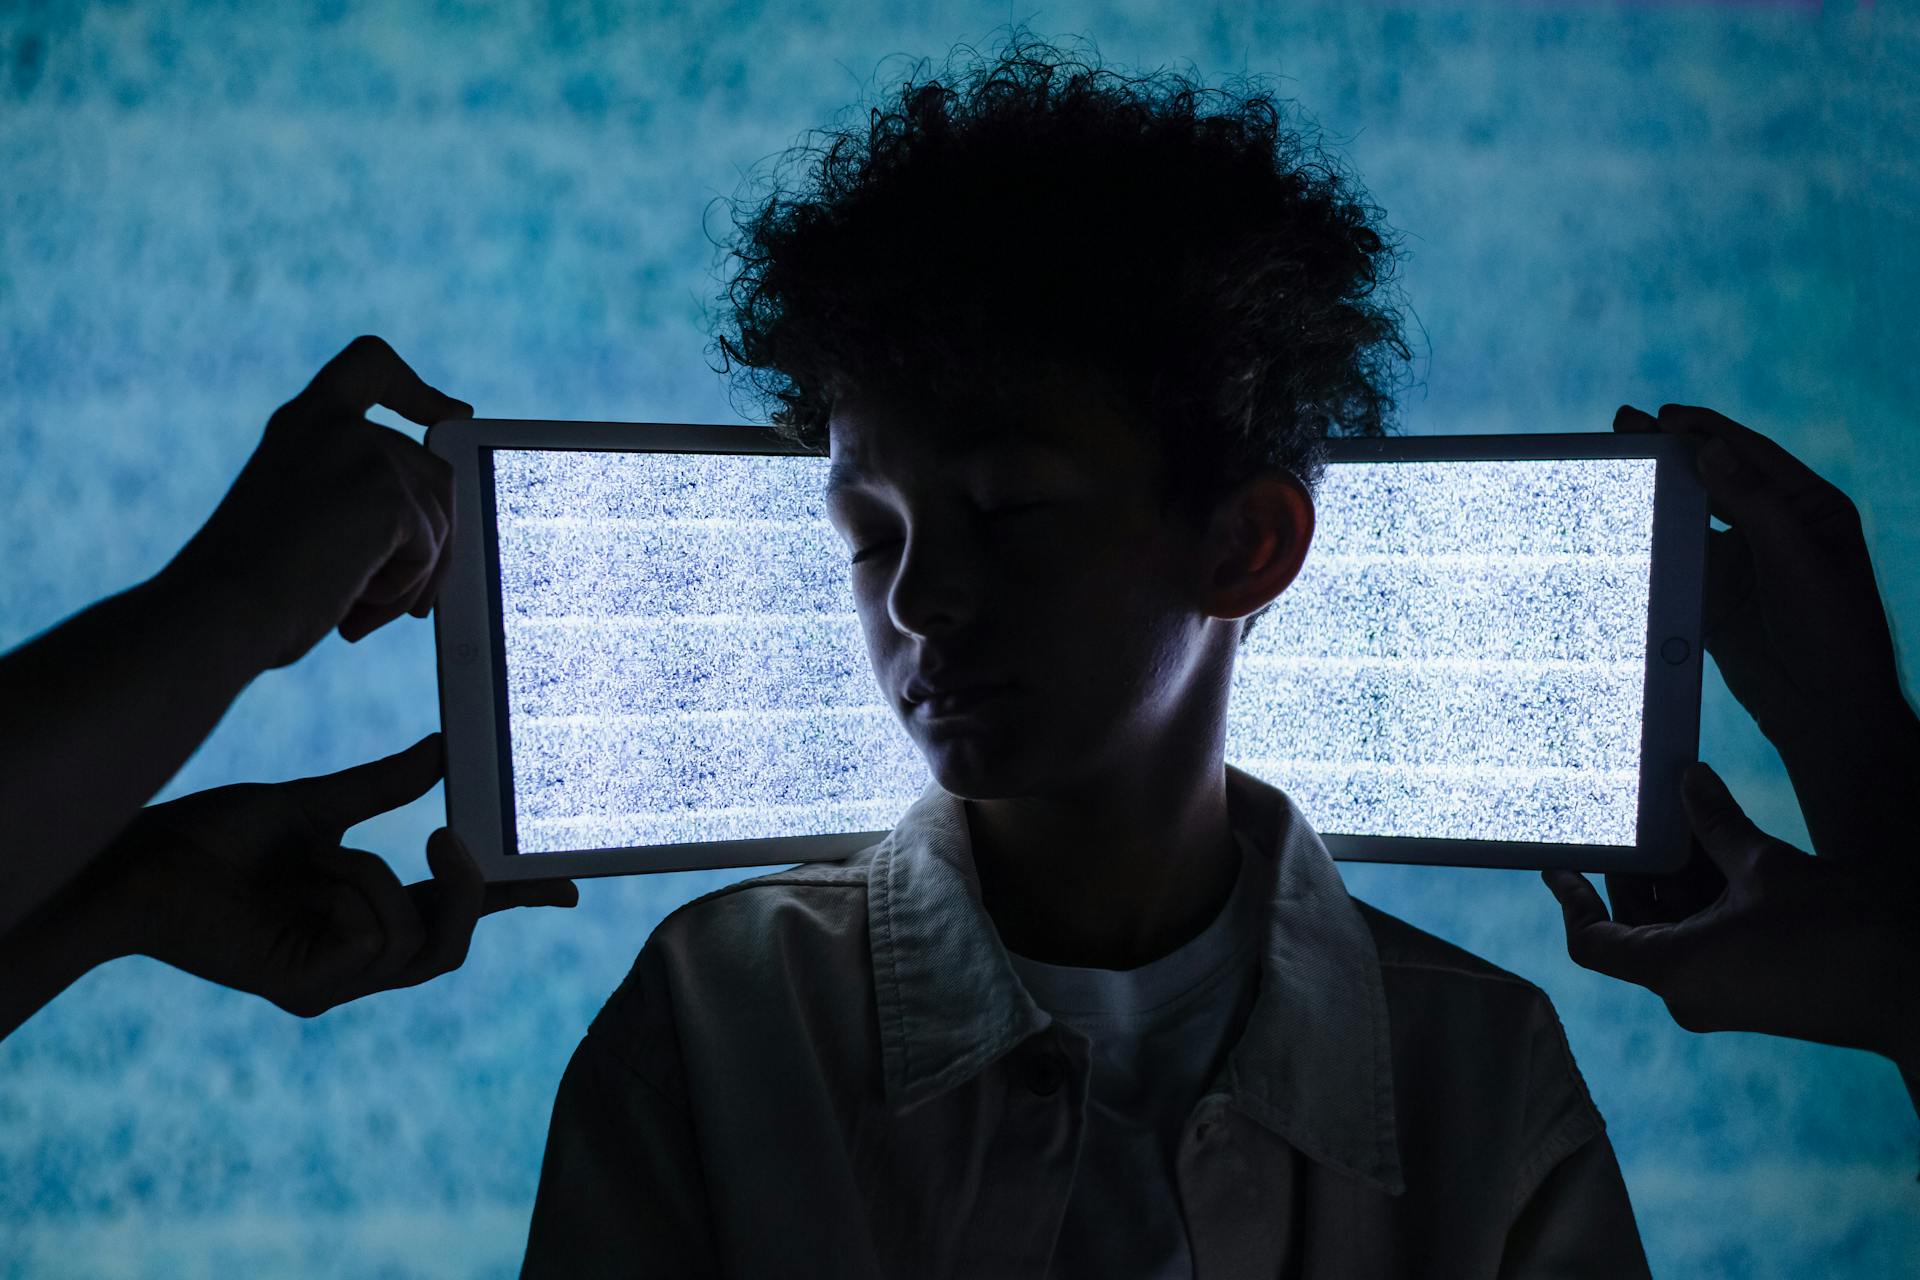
(1045, 1074)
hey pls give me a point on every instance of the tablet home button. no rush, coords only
(1675, 650)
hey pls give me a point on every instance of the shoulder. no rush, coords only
(1410, 951)
(754, 954)
(821, 898)
(1453, 985)
(1464, 1028)
(1430, 980)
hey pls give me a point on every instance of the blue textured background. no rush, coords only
(201, 203)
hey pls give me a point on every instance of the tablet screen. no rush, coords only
(683, 663)
(1462, 655)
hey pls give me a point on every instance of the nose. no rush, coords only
(935, 588)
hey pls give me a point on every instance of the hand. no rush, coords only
(1812, 948)
(1793, 619)
(335, 521)
(249, 886)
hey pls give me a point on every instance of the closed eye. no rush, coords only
(872, 548)
(1009, 509)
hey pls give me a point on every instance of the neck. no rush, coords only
(1113, 873)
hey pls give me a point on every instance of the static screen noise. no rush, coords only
(1462, 655)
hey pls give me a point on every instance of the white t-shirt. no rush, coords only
(1160, 1032)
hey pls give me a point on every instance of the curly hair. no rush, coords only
(1209, 265)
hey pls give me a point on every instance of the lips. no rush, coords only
(950, 692)
(958, 702)
(919, 690)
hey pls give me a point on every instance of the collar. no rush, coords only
(1313, 1064)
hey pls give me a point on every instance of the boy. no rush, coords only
(1099, 1005)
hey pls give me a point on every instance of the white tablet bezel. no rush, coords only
(471, 664)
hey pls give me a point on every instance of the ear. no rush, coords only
(1255, 544)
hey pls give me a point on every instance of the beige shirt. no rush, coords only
(834, 1071)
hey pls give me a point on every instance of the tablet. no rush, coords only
(649, 658)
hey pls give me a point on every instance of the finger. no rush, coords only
(437, 501)
(430, 594)
(432, 479)
(1579, 903)
(450, 906)
(1730, 577)
(369, 372)
(351, 941)
(394, 586)
(1643, 955)
(1752, 478)
(408, 562)
(336, 801)
(1694, 888)
(1735, 494)
(1731, 587)
(1789, 578)
(418, 539)
(529, 893)
(401, 930)
(1723, 829)
(1635, 899)
(1629, 419)
(1742, 472)
(1747, 451)
(1665, 899)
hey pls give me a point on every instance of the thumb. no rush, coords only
(1637, 954)
(1719, 824)
(340, 800)
(1636, 421)
(449, 906)
(368, 372)
(530, 893)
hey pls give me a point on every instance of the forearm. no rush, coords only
(51, 950)
(1844, 768)
(99, 712)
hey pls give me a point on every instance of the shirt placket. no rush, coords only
(1236, 1185)
(1029, 1171)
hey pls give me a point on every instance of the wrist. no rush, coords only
(80, 928)
(43, 955)
(1872, 748)
(102, 911)
(217, 615)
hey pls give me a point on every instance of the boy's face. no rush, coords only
(1030, 615)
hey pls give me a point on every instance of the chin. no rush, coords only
(977, 769)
